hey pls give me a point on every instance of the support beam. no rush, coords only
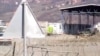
(23, 30)
(64, 20)
(93, 18)
(87, 18)
(79, 20)
(63, 17)
(70, 21)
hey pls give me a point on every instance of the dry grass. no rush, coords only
(54, 43)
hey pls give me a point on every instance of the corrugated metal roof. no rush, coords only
(77, 6)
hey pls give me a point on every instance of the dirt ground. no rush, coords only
(55, 45)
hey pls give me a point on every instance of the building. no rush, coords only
(2, 27)
(57, 27)
(80, 16)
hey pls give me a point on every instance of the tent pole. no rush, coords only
(23, 30)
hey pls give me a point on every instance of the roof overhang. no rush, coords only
(84, 8)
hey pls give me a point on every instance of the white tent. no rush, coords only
(32, 29)
(23, 24)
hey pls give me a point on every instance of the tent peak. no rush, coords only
(23, 1)
(23, 12)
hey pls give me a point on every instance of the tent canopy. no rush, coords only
(30, 27)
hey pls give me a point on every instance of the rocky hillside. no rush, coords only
(45, 10)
